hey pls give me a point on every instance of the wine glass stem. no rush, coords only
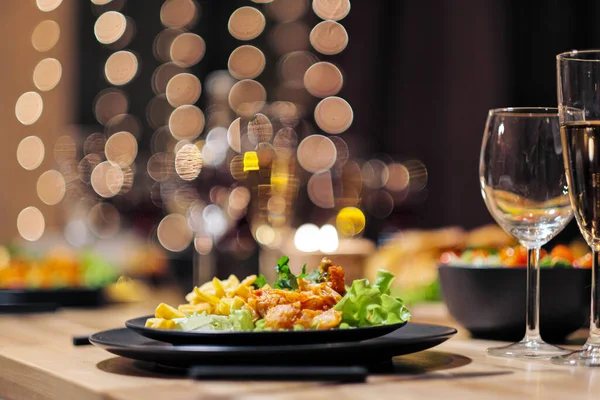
(594, 337)
(533, 295)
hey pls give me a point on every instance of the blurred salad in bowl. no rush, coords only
(574, 255)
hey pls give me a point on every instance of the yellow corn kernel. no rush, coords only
(224, 306)
(160, 323)
(195, 308)
(167, 312)
(190, 297)
(209, 298)
(207, 287)
(242, 291)
(249, 280)
(219, 291)
(237, 304)
(233, 281)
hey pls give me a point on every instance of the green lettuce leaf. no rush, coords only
(383, 281)
(260, 281)
(367, 305)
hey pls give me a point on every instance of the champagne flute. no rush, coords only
(524, 187)
(579, 110)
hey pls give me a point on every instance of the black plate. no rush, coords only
(410, 339)
(67, 297)
(260, 338)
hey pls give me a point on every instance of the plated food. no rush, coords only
(413, 256)
(58, 269)
(315, 300)
(576, 255)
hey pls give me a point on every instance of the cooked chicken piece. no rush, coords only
(320, 297)
(282, 316)
(286, 316)
(335, 279)
(263, 300)
(327, 320)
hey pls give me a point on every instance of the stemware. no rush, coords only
(524, 187)
(578, 75)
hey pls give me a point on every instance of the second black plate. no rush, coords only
(260, 338)
(66, 297)
(411, 339)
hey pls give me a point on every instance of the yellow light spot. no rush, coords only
(51, 187)
(121, 149)
(173, 233)
(246, 23)
(316, 153)
(121, 67)
(187, 49)
(237, 168)
(260, 129)
(188, 162)
(323, 79)
(246, 62)
(247, 97)
(110, 27)
(265, 235)
(30, 152)
(331, 9)
(31, 224)
(47, 74)
(48, 5)
(350, 221)
(250, 161)
(186, 122)
(329, 37)
(45, 35)
(183, 89)
(29, 108)
(178, 13)
(334, 115)
(107, 179)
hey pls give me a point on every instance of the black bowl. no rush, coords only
(490, 301)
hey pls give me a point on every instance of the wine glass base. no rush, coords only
(528, 349)
(588, 356)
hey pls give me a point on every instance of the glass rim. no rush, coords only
(526, 111)
(572, 55)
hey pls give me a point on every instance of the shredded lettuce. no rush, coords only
(238, 320)
(367, 305)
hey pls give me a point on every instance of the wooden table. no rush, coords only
(38, 361)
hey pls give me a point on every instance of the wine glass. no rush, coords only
(579, 111)
(524, 187)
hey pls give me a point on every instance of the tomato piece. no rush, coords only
(448, 256)
(506, 253)
(521, 255)
(564, 252)
(583, 262)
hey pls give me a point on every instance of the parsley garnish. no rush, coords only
(260, 281)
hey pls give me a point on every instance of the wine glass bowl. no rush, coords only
(578, 74)
(524, 187)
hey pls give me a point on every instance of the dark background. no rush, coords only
(420, 76)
